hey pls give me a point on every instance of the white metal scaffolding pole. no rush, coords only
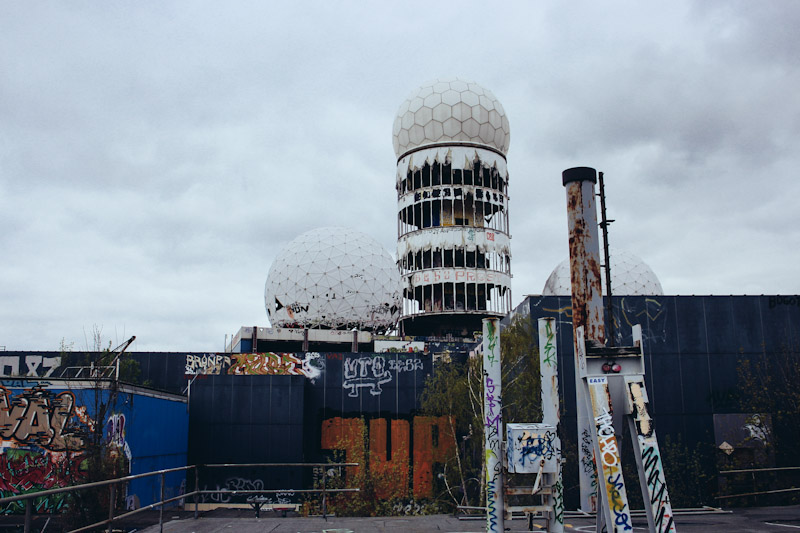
(492, 425)
(551, 415)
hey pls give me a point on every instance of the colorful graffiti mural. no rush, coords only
(23, 471)
(311, 365)
(42, 439)
(46, 431)
(39, 418)
(115, 435)
(607, 452)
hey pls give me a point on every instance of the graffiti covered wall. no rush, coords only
(42, 436)
(46, 427)
(294, 407)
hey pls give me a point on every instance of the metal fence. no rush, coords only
(114, 483)
(751, 482)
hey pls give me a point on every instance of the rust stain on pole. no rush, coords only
(584, 252)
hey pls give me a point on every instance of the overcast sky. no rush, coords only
(156, 156)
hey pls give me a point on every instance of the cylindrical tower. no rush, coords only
(451, 138)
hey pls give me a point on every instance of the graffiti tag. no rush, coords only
(410, 364)
(38, 418)
(116, 434)
(365, 372)
(533, 447)
(549, 349)
(34, 364)
(207, 363)
(277, 364)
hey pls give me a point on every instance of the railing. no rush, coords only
(112, 484)
(89, 372)
(752, 479)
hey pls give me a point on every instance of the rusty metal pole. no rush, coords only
(28, 515)
(112, 496)
(324, 493)
(587, 306)
(161, 507)
(196, 488)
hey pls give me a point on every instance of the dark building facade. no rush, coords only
(693, 345)
(299, 406)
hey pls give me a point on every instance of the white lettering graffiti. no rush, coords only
(405, 365)
(206, 364)
(35, 364)
(369, 372)
(608, 443)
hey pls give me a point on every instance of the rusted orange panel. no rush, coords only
(345, 434)
(389, 474)
(426, 452)
(377, 440)
(447, 439)
(423, 456)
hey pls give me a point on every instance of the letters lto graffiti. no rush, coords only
(365, 372)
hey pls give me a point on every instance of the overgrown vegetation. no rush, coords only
(384, 490)
(456, 390)
(99, 357)
(768, 384)
(100, 456)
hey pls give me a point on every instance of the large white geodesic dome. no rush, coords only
(630, 276)
(450, 109)
(335, 278)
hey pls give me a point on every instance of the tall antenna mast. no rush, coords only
(604, 222)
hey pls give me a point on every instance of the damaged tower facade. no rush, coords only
(451, 138)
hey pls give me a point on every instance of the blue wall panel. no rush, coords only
(150, 431)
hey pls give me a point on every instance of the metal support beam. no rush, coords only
(112, 496)
(493, 425)
(551, 415)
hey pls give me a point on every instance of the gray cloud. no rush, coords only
(155, 158)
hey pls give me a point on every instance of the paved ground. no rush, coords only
(769, 519)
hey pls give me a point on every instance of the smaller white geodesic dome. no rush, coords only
(333, 278)
(630, 276)
(450, 109)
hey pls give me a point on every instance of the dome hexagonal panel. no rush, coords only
(459, 105)
(335, 278)
(630, 276)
